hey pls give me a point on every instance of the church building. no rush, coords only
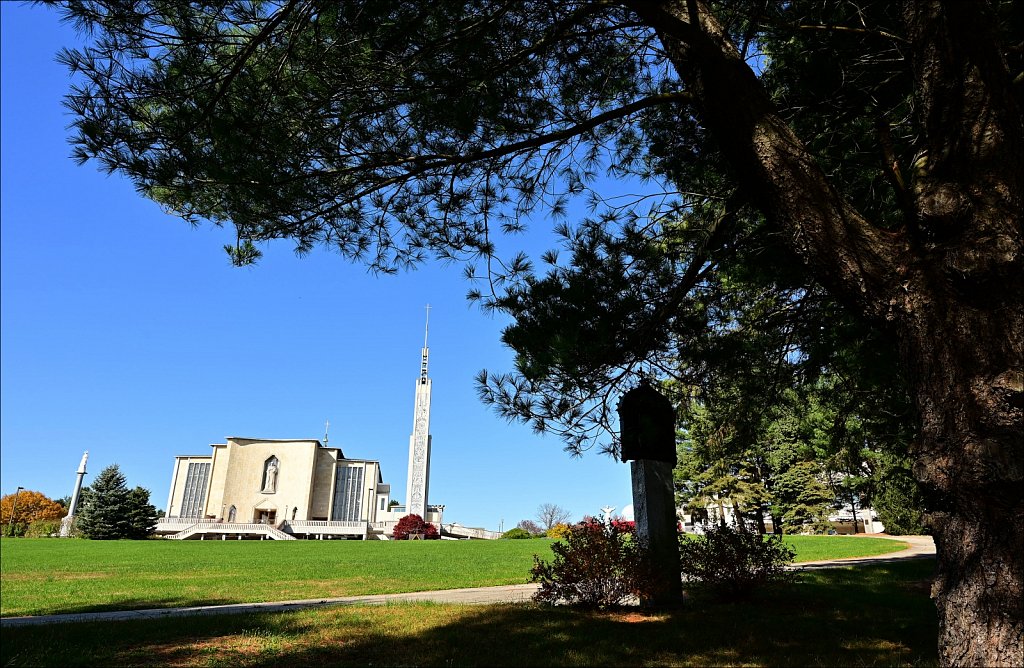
(250, 488)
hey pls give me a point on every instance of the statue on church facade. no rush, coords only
(270, 476)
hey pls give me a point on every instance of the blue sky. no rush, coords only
(125, 332)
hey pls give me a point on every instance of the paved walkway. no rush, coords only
(920, 547)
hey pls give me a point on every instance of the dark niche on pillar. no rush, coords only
(647, 425)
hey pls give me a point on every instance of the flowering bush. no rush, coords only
(413, 524)
(625, 526)
(595, 566)
(733, 563)
(558, 532)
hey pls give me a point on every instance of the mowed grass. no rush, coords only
(819, 548)
(49, 576)
(878, 615)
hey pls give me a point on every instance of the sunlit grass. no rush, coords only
(818, 548)
(866, 616)
(47, 576)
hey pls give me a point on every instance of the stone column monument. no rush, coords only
(647, 426)
(67, 522)
(418, 481)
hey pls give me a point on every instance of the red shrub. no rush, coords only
(413, 524)
(595, 566)
(625, 526)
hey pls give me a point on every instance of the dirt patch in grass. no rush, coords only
(921, 587)
(634, 617)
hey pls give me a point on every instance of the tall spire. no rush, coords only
(418, 482)
(426, 351)
(426, 327)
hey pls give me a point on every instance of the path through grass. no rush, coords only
(866, 616)
(50, 576)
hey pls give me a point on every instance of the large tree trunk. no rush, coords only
(950, 287)
(961, 329)
(966, 366)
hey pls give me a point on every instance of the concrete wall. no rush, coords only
(323, 485)
(243, 483)
(178, 477)
(218, 478)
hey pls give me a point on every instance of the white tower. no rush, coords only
(67, 522)
(419, 442)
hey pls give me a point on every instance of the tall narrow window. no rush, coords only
(348, 487)
(270, 470)
(232, 514)
(194, 500)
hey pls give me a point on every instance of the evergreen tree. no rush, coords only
(141, 513)
(111, 511)
(802, 501)
(897, 498)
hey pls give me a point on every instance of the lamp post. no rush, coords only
(14, 506)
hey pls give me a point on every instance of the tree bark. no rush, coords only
(969, 460)
(950, 287)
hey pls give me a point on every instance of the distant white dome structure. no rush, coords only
(627, 513)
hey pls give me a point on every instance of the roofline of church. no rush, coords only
(272, 440)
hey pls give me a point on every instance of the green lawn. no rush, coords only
(46, 576)
(877, 615)
(818, 548)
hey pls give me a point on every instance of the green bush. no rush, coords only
(733, 563)
(43, 529)
(516, 534)
(595, 566)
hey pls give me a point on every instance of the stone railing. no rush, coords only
(345, 527)
(187, 520)
(301, 524)
(225, 528)
(459, 531)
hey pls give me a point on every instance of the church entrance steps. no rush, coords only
(232, 530)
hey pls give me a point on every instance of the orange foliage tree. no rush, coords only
(28, 507)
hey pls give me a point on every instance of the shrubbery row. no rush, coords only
(602, 565)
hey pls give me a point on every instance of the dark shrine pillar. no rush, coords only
(647, 432)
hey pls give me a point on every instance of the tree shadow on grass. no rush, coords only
(866, 616)
(123, 604)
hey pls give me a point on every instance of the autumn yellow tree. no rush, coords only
(28, 507)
